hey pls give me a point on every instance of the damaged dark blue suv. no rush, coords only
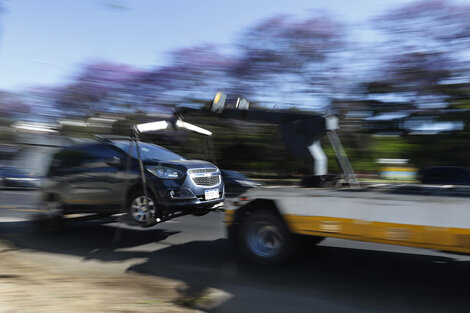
(105, 178)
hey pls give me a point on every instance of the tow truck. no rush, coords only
(267, 224)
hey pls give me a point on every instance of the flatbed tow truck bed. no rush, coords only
(266, 222)
(434, 217)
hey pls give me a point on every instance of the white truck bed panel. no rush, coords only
(443, 210)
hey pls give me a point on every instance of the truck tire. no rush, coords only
(264, 238)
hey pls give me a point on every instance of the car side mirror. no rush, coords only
(115, 162)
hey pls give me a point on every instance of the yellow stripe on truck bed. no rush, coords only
(431, 237)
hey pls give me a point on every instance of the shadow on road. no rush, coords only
(324, 279)
(90, 240)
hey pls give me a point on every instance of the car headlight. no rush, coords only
(165, 172)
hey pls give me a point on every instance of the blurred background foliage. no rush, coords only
(405, 94)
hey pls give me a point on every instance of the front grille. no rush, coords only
(202, 170)
(206, 181)
(205, 177)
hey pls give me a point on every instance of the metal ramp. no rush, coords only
(348, 171)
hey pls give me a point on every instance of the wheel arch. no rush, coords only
(264, 211)
(51, 196)
(257, 205)
(138, 187)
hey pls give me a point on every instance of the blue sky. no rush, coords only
(43, 42)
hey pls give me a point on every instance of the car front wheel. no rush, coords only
(50, 219)
(139, 212)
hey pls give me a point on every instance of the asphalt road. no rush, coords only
(337, 276)
(17, 205)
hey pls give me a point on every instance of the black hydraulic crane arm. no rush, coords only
(300, 131)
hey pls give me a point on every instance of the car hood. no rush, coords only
(187, 164)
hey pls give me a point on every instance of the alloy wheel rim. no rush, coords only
(139, 210)
(52, 207)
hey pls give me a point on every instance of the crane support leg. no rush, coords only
(349, 175)
(320, 165)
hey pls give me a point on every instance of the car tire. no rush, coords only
(51, 220)
(135, 209)
(53, 207)
(264, 238)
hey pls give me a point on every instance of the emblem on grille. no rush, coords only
(205, 177)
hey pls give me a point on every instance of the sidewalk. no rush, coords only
(40, 282)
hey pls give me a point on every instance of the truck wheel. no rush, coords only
(137, 213)
(265, 239)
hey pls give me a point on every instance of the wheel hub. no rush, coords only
(265, 240)
(52, 207)
(140, 211)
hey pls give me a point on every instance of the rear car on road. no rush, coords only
(445, 175)
(236, 182)
(13, 177)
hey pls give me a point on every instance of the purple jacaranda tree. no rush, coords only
(436, 25)
(12, 105)
(425, 46)
(285, 55)
(100, 86)
(192, 74)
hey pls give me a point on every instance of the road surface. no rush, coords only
(337, 276)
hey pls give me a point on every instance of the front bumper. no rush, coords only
(193, 203)
(184, 194)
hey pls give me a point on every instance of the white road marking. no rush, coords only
(15, 192)
(14, 206)
(12, 219)
(28, 210)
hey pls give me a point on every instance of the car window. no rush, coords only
(68, 157)
(445, 172)
(12, 171)
(148, 151)
(450, 172)
(439, 172)
(85, 156)
(101, 153)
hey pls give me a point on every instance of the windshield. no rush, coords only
(148, 151)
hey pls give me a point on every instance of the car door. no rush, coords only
(99, 182)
